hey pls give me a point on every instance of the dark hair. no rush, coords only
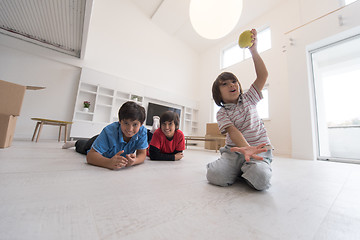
(169, 116)
(133, 111)
(216, 89)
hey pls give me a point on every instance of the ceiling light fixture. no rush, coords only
(214, 19)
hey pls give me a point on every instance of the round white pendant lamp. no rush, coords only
(214, 19)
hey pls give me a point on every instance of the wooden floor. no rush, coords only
(51, 193)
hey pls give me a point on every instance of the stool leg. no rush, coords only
(59, 132)
(36, 128)
(38, 135)
(65, 136)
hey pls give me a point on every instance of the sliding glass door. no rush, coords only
(336, 79)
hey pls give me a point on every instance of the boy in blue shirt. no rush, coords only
(120, 144)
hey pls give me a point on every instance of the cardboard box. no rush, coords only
(11, 98)
(214, 145)
(7, 129)
(213, 129)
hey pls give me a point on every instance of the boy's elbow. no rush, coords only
(264, 76)
(154, 157)
(140, 161)
(89, 159)
(90, 156)
(140, 156)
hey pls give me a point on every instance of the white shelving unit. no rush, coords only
(190, 120)
(194, 122)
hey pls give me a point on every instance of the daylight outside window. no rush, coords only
(234, 54)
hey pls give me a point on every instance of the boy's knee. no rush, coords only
(217, 177)
(258, 176)
(224, 171)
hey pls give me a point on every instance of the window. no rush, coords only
(346, 2)
(234, 54)
(262, 106)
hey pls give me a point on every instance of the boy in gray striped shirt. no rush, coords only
(245, 131)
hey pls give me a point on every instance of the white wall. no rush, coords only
(56, 101)
(121, 42)
(290, 126)
(124, 42)
(319, 33)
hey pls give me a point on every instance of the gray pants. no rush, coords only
(231, 165)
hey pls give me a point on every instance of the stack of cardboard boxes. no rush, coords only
(11, 98)
(213, 132)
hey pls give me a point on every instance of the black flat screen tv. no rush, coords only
(157, 110)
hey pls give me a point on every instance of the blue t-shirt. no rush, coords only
(111, 141)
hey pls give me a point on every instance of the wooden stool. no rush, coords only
(42, 121)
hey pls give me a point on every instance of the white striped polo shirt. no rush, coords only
(245, 118)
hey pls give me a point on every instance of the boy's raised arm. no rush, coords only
(260, 68)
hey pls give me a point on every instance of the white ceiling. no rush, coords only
(62, 24)
(173, 17)
(55, 24)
